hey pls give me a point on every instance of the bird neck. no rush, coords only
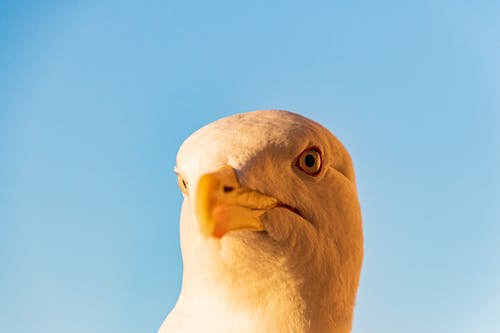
(251, 289)
(259, 290)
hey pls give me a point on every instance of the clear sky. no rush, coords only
(97, 96)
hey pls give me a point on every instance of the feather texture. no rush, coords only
(300, 274)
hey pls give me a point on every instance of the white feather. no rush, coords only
(302, 273)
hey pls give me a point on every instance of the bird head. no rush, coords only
(270, 220)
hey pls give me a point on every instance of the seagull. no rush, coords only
(270, 228)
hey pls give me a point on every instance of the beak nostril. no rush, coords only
(227, 189)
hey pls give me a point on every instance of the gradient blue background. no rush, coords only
(96, 97)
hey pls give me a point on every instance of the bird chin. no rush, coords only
(280, 222)
(245, 236)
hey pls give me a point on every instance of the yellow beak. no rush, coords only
(222, 205)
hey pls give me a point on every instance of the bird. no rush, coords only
(270, 228)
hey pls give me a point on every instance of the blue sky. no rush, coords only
(97, 96)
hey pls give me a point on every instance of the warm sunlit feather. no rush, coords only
(297, 269)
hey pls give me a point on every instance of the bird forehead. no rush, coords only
(239, 138)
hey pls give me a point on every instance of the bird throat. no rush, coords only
(246, 278)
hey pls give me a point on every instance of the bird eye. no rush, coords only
(310, 161)
(183, 185)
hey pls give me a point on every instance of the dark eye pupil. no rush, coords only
(309, 161)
